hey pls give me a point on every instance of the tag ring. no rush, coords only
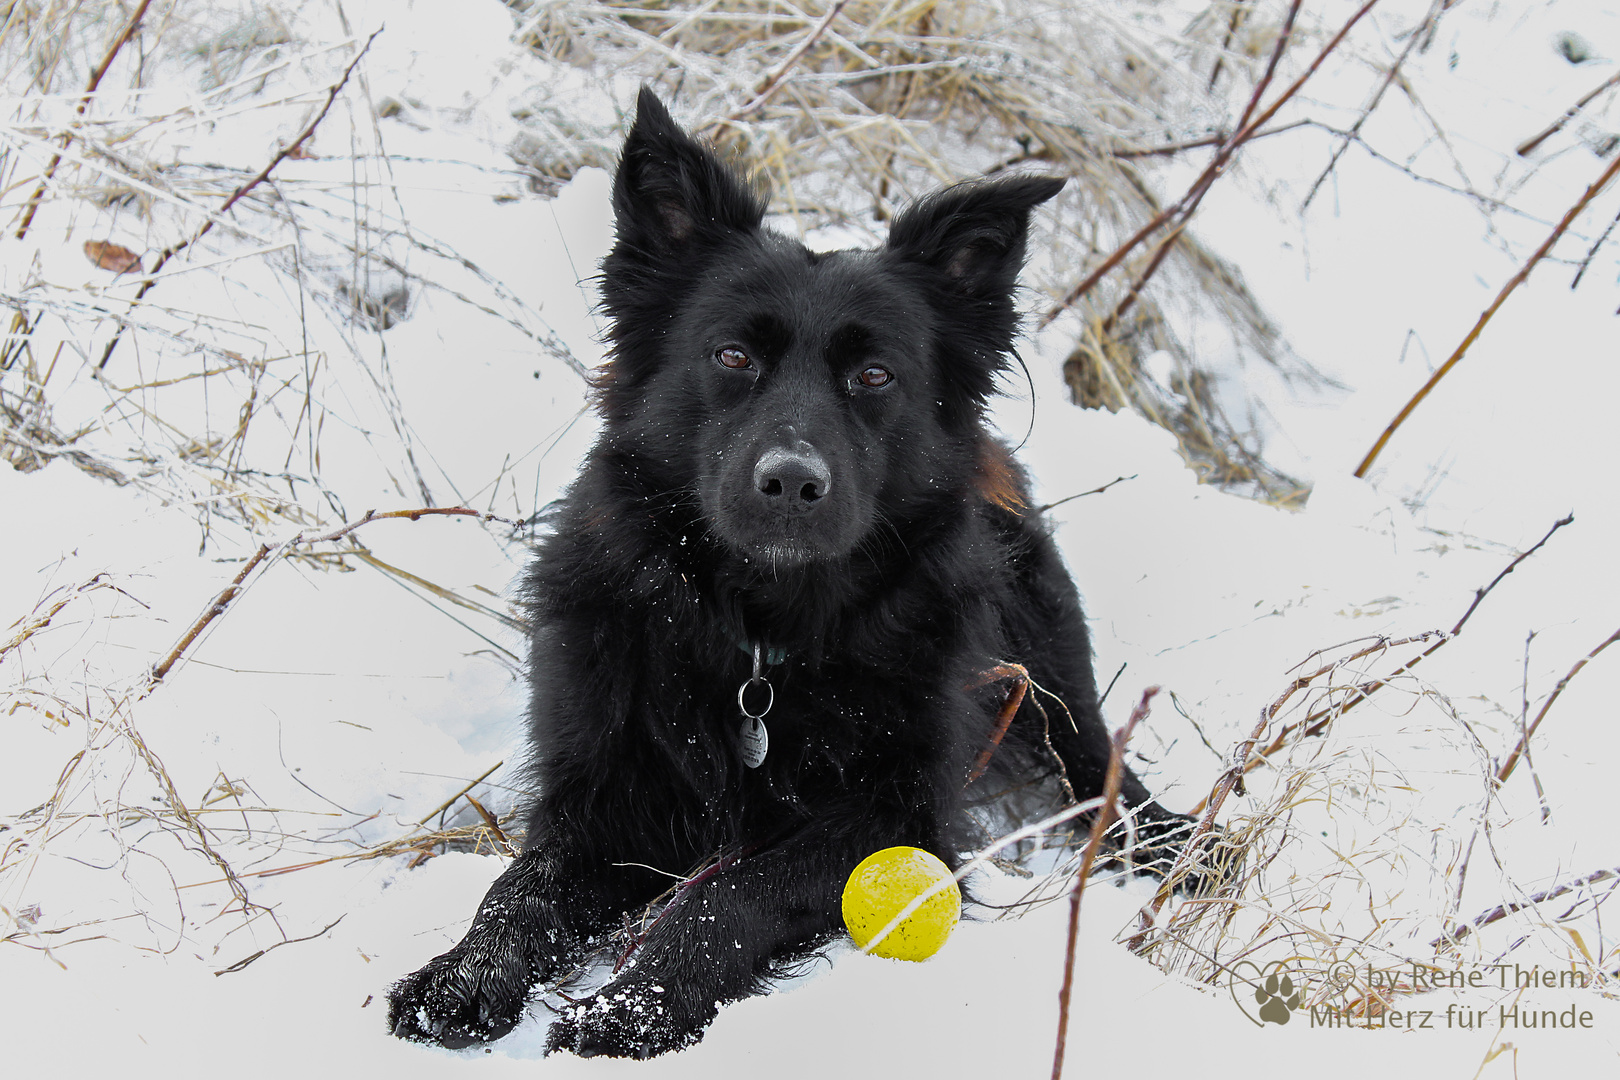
(769, 700)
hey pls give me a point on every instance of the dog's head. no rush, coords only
(808, 399)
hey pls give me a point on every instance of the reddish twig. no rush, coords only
(84, 103)
(1524, 739)
(1529, 145)
(1485, 317)
(494, 825)
(1184, 207)
(1502, 911)
(1099, 826)
(231, 591)
(1009, 708)
(1278, 47)
(286, 151)
(1142, 279)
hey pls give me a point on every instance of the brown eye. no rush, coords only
(874, 377)
(732, 357)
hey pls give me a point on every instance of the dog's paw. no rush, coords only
(456, 1001)
(1159, 847)
(631, 1020)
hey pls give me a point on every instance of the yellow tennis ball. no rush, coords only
(883, 885)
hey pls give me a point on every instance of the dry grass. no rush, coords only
(1357, 845)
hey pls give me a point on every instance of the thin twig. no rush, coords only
(1127, 154)
(230, 592)
(451, 801)
(84, 103)
(1315, 723)
(1083, 494)
(1592, 251)
(1099, 826)
(1435, 11)
(1485, 317)
(1526, 147)
(246, 960)
(1523, 748)
(1238, 16)
(169, 252)
(1009, 709)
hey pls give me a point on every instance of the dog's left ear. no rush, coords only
(973, 234)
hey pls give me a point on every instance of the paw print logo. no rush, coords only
(1277, 998)
(1272, 988)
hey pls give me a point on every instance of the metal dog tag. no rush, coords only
(755, 742)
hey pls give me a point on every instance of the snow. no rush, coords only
(328, 712)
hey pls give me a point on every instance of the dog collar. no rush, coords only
(772, 655)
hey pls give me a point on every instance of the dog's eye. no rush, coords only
(874, 377)
(732, 357)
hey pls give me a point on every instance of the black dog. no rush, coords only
(795, 513)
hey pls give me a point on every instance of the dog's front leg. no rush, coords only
(713, 944)
(531, 925)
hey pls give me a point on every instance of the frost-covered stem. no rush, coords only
(1485, 317)
(1099, 826)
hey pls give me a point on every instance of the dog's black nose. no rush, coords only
(793, 479)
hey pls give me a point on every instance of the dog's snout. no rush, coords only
(793, 478)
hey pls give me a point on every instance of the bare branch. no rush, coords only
(1485, 317)
(1099, 826)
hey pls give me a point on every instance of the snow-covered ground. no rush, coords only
(325, 713)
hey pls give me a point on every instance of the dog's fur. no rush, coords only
(794, 459)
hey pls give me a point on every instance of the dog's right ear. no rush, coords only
(671, 192)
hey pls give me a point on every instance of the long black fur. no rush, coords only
(794, 456)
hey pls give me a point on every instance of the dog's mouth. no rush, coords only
(777, 555)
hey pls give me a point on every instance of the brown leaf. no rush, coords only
(110, 256)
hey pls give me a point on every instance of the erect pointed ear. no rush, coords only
(671, 191)
(972, 234)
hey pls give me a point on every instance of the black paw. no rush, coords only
(1159, 844)
(631, 1020)
(457, 1000)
